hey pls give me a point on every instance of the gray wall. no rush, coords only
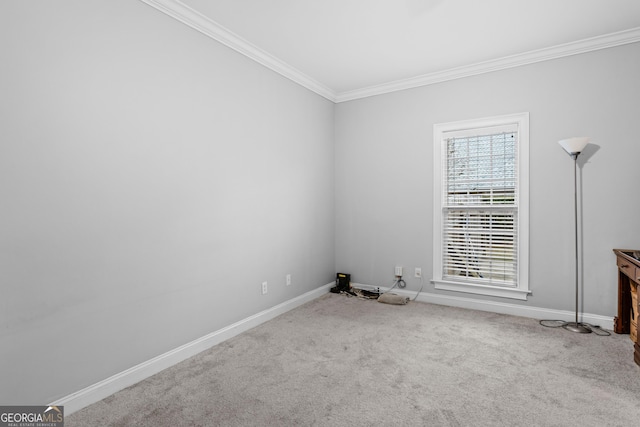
(150, 180)
(384, 179)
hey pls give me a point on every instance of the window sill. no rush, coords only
(494, 291)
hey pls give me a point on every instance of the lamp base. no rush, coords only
(576, 327)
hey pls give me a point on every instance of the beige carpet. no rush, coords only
(344, 361)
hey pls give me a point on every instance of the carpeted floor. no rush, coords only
(344, 361)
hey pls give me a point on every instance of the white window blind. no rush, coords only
(480, 208)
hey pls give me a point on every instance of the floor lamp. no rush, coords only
(574, 147)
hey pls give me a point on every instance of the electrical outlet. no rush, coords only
(418, 272)
(398, 271)
(264, 288)
(288, 279)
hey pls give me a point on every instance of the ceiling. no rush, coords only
(346, 49)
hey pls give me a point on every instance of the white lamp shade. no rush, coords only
(574, 145)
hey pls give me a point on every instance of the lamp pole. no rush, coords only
(576, 326)
(573, 147)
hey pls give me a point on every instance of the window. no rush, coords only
(481, 174)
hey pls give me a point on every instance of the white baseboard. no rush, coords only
(122, 380)
(499, 307)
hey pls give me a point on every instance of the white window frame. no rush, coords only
(521, 291)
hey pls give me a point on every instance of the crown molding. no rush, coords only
(194, 19)
(539, 55)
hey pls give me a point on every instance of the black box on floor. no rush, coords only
(343, 282)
